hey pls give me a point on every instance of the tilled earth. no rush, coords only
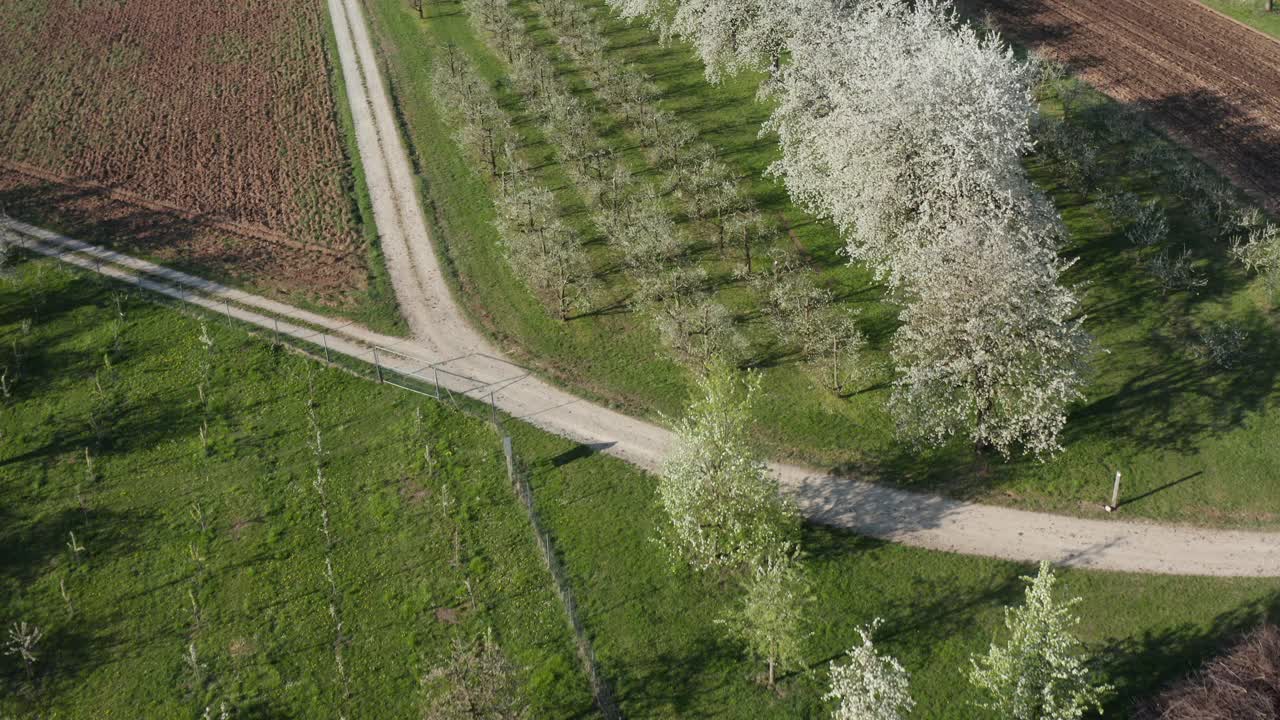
(1208, 81)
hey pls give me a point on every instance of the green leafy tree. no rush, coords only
(770, 621)
(722, 503)
(1041, 672)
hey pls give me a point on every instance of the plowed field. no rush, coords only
(1212, 83)
(209, 125)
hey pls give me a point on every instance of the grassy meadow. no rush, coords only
(254, 572)
(201, 525)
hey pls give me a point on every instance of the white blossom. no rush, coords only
(894, 119)
(869, 686)
(1040, 673)
(721, 500)
(991, 345)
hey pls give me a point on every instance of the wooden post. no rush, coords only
(376, 364)
(325, 340)
(493, 410)
(1115, 495)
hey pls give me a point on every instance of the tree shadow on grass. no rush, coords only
(1141, 665)
(31, 547)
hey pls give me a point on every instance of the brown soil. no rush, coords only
(207, 126)
(1208, 81)
(90, 212)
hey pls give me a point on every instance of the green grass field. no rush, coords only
(1250, 12)
(264, 635)
(1191, 438)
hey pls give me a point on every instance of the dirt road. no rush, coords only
(1207, 80)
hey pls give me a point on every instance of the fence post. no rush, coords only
(511, 466)
(436, 372)
(377, 364)
(493, 410)
(226, 307)
(325, 339)
(276, 322)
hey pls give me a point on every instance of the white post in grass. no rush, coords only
(1115, 495)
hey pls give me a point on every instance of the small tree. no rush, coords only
(869, 686)
(698, 329)
(23, 640)
(1040, 673)
(770, 621)
(1258, 249)
(833, 345)
(476, 683)
(722, 503)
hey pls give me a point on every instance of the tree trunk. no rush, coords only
(770, 672)
(746, 248)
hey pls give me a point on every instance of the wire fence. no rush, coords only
(380, 363)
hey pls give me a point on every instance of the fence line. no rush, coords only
(316, 344)
(600, 688)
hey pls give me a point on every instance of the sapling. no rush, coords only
(66, 597)
(198, 515)
(191, 659)
(722, 504)
(869, 685)
(74, 546)
(1041, 672)
(195, 615)
(476, 681)
(24, 638)
(1175, 272)
(770, 621)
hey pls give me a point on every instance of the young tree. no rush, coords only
(747, 227)
(722, 503)
(1041, 672)
(870, 686)
(649, 241)
(476, 683)
(23, 641)
(700, 330)
(770, 621)
(832, 344)
(1258, 248)
(991, 345)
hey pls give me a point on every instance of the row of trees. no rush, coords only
(653, 225)
(543, 250)
(907, 129)
(725, 516)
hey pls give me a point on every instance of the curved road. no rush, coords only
(447, 349)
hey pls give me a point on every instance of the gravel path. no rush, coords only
(447, 349)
